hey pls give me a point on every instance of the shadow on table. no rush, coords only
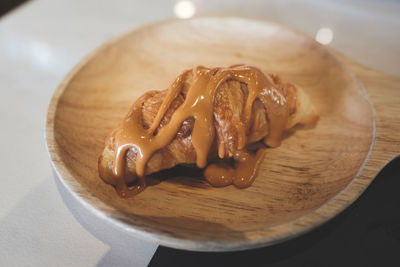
(32, 232)
(125, 250)
(8, 5)
(365, 234)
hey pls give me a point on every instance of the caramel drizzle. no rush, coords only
(242, 175)
(199, 105)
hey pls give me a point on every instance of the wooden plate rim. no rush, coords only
(297, 226)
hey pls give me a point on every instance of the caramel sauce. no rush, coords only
(242, 174)
(219, 174)
(198, 104)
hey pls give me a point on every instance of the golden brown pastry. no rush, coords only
(205, 114)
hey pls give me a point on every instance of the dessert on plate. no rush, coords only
(221, 119)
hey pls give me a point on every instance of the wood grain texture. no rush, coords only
(314, 175)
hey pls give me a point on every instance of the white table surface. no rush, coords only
(40, 223)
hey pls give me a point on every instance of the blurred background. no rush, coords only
(365, 30)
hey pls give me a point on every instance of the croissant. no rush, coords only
(206, 114)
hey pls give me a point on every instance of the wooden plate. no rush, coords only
(314, 175)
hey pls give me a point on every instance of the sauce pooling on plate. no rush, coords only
(198, 105)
